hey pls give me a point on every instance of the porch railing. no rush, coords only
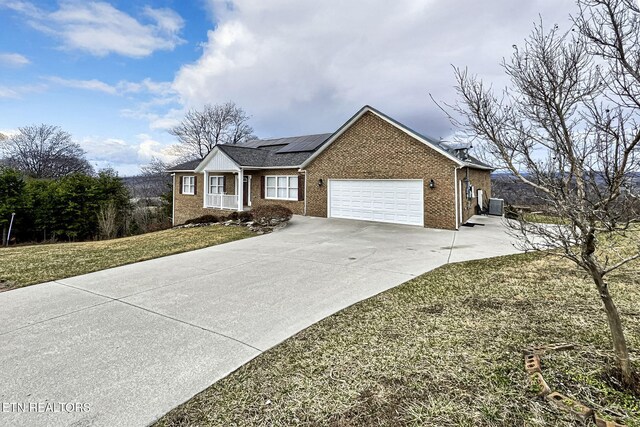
(222, 201)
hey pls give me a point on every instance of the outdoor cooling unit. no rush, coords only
(496, 207)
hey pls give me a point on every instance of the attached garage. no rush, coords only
(372, 168)
(396, 201)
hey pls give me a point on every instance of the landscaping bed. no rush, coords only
(443, 349)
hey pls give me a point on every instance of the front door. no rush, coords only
(245, 191)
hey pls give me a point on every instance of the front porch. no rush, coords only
(227, 189)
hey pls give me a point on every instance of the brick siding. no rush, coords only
(370, 149)
(187, 206)
(374, 149)
(297, 207)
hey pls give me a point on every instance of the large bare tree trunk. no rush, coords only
(615, 326)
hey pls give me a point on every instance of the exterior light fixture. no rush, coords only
(320, 182)
(432, 184)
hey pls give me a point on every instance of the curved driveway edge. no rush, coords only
(128, 344)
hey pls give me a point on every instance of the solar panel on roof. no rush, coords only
(291, 144)
(305, 143)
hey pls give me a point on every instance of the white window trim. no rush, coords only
(266, 187)
(217, 185)
(191, 186)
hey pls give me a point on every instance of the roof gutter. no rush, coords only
(475, 166)
(173, 199)
(271, 167)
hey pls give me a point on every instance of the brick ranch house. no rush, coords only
(372, 168)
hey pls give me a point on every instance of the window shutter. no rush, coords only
(195, 185)
(180, 184)
(262, 187)
(224, 184)
(301, 188)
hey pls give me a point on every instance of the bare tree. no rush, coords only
(567, 126)
(155, 167)
(45, 151)
(108, 220)
(200, 131)
(153, 181)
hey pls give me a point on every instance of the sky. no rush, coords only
(118, 74)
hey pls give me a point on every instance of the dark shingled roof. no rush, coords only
(186, 166)
(264, 153)
(294, 151)
(263, 158)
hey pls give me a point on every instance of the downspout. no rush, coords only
(457, 196)
(173, 201)
(304, 210)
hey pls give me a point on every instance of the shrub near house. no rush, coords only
(265, 216)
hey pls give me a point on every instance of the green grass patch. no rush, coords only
(442, 349)
(28, 265)
(541, 218)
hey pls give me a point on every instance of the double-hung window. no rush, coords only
(216, 185)
(188, 185)
(282, 187)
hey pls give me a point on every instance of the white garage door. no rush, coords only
(383, 200)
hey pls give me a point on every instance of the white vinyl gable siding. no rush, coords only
(281, 187)
(217, 161)
(188, 185)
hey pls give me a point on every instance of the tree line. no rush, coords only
(69, 208)
(55, 194)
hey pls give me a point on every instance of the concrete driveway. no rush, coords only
(128, 344)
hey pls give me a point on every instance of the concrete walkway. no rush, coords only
(132, 342)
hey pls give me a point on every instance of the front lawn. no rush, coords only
(27, 265)
(443, 349)
(542, 218)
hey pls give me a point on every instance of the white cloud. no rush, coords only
(100, 29)
(158, 120)
(146, 85)
(16, 92)
(149, 148)
(123, 87)
(124, 154)
(109, 150)
(23, 7)
(14, 60)
(94, 85)
(306, 66)
(7, 92)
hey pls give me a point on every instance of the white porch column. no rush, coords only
(205, 189)
(240, 188)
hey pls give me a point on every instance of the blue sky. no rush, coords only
(118, 74)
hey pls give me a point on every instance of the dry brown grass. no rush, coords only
(27, 265)
(443, 349)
